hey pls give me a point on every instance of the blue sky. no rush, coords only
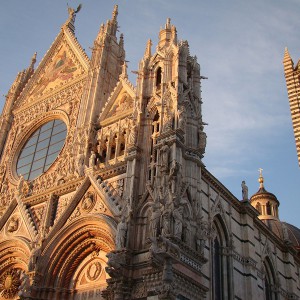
(239, 45)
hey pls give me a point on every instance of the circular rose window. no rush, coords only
(41, 149)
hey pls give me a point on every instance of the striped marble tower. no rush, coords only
(292, 77)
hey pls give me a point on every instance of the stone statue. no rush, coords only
(175, 177)
(132, 133)
(80, 165)
(164, 154)
(155, 219)
(182, 118)
(244, 190)
(200, 238)
(92, 160)
(20, 184)
(178, 221)
(121, 234)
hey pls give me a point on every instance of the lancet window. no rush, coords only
(220, 265)
(269, 286)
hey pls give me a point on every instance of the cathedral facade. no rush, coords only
(104, 194)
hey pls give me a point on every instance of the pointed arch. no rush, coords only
(220, 261)
(81, 244)
(14, 258)
(270, 284)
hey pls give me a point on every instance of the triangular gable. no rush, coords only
(89, 198)
(64, 63)
(17, 222)
(120, 103)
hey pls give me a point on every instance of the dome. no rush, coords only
(293, 234)
(284, 231)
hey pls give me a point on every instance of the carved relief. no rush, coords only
(123, 103)
(38, 214)
(63, 203)
(118, 185)
(9, 284)
(13, 224)
(88, 202)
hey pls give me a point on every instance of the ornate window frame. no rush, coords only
(25, 135)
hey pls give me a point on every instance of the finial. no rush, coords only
(168, 24)
(286, 56)
(148, 49)
(115, 12)
(124, 70)
(261, 178)
(33, 59)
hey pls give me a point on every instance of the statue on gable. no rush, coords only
(72, 13)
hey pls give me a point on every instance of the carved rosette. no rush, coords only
(9, 284)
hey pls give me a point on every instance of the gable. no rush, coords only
(64, 63)
(120, 103)
(123, 103)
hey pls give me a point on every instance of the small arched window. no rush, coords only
(269, 209)
(158, 78)
(258, 208)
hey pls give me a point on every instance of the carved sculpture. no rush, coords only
(132, 133)
(20, 185)
(13, 224)
(155, 219)
(182, 118)
(178, 221)
(92, 160)
(164, 154)
(244, 190)
(80, 165)
(121, 234)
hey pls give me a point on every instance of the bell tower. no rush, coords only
(292, 77)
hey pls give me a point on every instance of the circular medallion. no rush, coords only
(94, 271)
